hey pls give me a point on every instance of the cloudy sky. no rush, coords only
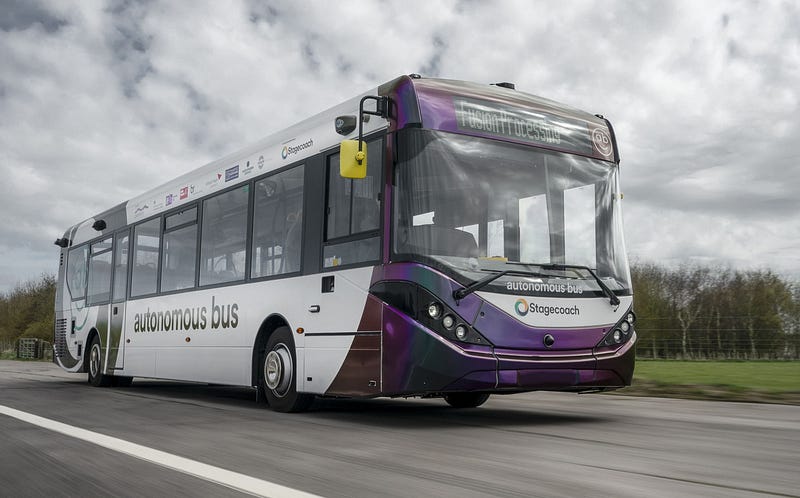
(100, 101)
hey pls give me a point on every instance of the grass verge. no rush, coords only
(749, 381)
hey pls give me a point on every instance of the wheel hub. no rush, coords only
(94, 360)
(278, 370)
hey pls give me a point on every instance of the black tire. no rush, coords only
(95, 363)
(278, 374)
(118, 381)
(466, 400)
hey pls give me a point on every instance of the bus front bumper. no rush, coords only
(519, 371)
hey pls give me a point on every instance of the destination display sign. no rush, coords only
(525, 125)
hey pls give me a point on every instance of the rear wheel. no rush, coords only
(466, 400)
(278, 374)
(96, 377)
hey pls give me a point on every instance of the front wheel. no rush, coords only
(466, 400)
(278, 374)
(96, 377)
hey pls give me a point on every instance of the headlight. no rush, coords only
(461, 332)
(434, 310)
(448, 321)
(620, 333)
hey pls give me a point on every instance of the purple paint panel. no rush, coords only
(505, 331)
(417, 361)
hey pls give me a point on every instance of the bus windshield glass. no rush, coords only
(472, 207)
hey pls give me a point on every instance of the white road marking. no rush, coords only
(234, 480)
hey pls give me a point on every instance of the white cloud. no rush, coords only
(100, 102)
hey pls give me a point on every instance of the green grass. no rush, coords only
(764, 376)
(749, 381)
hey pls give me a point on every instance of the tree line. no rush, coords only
(688, 312)
(28, 311)
(702, 312)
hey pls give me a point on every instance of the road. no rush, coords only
(537, 444)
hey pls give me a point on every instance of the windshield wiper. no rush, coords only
(463, 292)
(613, 299)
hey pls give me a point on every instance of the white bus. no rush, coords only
(427, 238)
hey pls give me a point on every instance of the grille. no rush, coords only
(60, 337)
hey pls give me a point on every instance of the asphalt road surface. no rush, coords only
(213, 441)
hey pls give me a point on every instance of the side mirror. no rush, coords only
(352, 162)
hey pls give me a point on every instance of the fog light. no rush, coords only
(434, 310)
(617, 336)
(448, 321)
(461, 332)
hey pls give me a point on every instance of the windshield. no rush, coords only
(471, 206)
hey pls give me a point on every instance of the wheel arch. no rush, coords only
(89, 338)
(268, 326)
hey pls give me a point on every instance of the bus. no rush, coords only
(428, 238)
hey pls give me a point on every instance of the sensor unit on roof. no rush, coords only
(345, 124)
(506, 84)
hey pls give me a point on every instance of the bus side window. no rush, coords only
(76, 272)
(121, 241)
(99, 272)
(278, 224)
(353, 211)
(180, 250)
(223, 237)
(147, 240)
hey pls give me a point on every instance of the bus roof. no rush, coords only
(491, 111)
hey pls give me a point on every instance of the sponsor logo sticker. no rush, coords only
(232, 173)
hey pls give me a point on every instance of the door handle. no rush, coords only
(314, 308)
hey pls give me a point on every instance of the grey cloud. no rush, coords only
(309, 55)
(23, 14)
(129, 43)
(132, 94)
(261, 12)
(432, 65)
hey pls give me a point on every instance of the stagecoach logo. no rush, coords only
(521, 307)
(602, 142)
(288, 150)
(260, 162)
